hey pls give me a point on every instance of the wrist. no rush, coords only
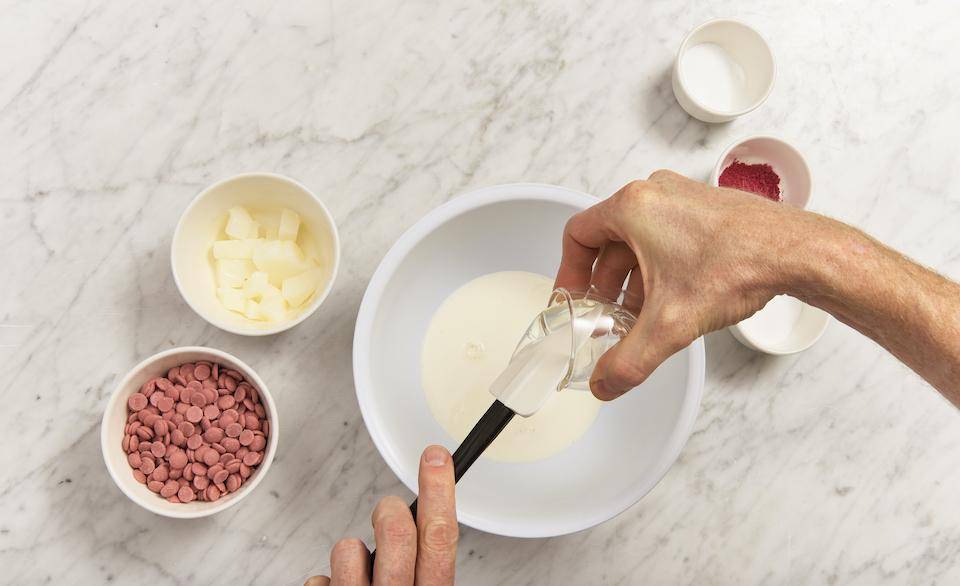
(824, 269)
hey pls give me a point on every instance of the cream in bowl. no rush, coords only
(255, 254)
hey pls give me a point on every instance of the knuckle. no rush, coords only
(636, 189)
(635, 194)
(438, 535)
(395, 529)
(661, 174)
(386, 506)
(626, 373)
(346, 547)
(437, 482)
(629, 371)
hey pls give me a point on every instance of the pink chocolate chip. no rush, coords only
(137, 401)
(194, 441)
(201, 372)
(186, 494)
(165, 404)
(258, 443)
(246, 437)
(211, 457)
(194, 414)
(178, 460)
(213, 435)
(170, 488)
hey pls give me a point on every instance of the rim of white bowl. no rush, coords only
(246, 489)
(282, 326)
(456, 206)
(733, 113)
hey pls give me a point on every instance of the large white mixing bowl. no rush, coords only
(634, 440)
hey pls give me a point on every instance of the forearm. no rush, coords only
(911, 311)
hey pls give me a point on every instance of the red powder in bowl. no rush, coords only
(760, 179)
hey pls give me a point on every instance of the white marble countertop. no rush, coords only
(837, 466)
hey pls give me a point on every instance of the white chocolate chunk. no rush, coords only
(258, 286)
(252, 310)
(289, 225)
(280, 259)
(274, 308)
(232, 299)
(299, 288)
(269, 225)
(240, 224)
(233, 248)
(232, 272)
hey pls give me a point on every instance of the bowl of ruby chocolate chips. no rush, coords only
(189, 432)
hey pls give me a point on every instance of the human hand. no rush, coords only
(422, 553)
(695, 258)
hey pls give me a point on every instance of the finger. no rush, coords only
(583, 237)
(317, 581)
(634, 358)
(633, 295)
(436, 519)
(396, 536)
(613, 265)
(349, 563)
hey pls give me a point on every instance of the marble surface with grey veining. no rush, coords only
(835, 466)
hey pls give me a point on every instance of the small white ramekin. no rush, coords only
(204, 217)
(795, 186)
(747, 47)
(115, 418)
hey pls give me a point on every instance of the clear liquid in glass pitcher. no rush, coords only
(560, 348)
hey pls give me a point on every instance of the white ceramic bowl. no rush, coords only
(747, 48)
(634, 440)
(115, 418)
(795, 189)
(204, 218)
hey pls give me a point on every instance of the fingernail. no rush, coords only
(435, 456)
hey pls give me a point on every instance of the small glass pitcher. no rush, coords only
(596, 324)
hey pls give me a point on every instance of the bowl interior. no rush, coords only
(204, 220)
(115, 418)
(789, 164)
(748, 49)
(628, 449)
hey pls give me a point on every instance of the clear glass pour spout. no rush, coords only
(560, 349)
